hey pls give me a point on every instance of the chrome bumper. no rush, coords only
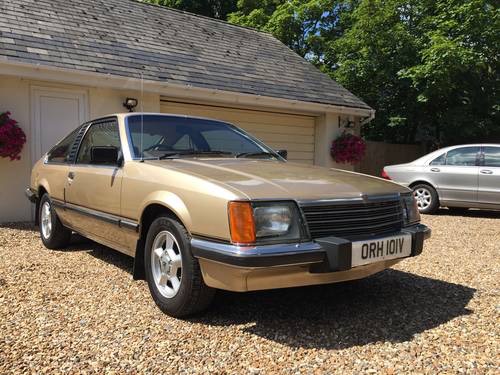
(31, 195)
(328, 254)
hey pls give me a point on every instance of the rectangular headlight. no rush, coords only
(276, 220)
(410, 209)
(264, 222)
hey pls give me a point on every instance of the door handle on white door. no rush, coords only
(71, 176)
(435, 170)
(486, 171)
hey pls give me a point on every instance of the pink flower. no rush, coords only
(348, 148)
(12, 137)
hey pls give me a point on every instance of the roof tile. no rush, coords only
(127, 38)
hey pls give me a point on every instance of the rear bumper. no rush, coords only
(323, 260)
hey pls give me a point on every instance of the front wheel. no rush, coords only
(427, 198)
(54, 235)
(173, 274)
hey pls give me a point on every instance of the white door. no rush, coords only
(56, 112)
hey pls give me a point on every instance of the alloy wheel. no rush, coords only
(423, 197)
(166, 264)
(46, 220)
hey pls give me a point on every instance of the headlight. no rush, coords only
(410, 209)
(264, 222)
(276, 220)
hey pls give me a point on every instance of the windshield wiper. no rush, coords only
(177, 154)
(258, 153)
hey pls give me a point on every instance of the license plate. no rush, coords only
(371, 251)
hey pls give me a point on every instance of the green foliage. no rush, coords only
(210, 8)
(430, 68)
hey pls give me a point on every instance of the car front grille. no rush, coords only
(353, 220)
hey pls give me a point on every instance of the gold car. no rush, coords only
(201, 205)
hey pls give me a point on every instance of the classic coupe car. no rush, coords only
(202, 205)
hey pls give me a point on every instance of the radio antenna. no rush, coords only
(142, 118)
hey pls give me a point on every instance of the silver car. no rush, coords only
(457, 177)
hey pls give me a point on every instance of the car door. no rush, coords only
(457, 178)
(489, 177)
(93, 190)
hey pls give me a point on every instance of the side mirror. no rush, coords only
(104, 155)
(282, 153)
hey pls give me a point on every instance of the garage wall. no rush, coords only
(15, 96)
(292, 132)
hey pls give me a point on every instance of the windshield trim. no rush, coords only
(232, 126)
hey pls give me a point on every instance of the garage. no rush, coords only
(292, 132)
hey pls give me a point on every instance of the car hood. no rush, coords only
(262, 179)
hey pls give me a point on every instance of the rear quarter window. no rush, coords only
(60, 152)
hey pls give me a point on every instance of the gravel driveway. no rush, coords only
(79, 310)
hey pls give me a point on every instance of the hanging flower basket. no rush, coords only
(12, 137)
(348, 148)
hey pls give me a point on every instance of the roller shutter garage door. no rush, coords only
(291, 132)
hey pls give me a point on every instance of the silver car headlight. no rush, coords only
(410, 210)
(276, 221)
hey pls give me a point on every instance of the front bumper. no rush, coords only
(323, 260)
(31, 195)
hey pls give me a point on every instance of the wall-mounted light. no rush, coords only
(130, 104)
(346, 122)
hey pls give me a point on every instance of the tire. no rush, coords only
(427, 198)
(54, 235)
(172, 273)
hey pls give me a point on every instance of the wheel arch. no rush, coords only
(148, 214)
(41, 190)
(419, 182)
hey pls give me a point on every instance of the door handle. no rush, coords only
(435, 170)
(486, 171)
(71, 175)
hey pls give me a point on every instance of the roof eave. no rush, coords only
(94, 79)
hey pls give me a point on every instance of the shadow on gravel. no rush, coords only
(486, 214)
(391, 306)
(101, 252)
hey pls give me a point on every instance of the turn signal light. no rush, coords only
(241, 222)
(385, 175)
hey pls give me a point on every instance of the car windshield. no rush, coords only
(160, 136)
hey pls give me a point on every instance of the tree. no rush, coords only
(304, 26)
(429, 68)
(210, 8)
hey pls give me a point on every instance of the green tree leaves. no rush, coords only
(430, 68)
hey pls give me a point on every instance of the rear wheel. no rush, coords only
(54, 235)
(173, 274)
(427, 198)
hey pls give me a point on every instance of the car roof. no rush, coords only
(434, 154)
(123, 115)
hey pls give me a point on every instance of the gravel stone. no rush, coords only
(79, 311)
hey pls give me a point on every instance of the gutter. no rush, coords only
(41, 72)
(368, 118)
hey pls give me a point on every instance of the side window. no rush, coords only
(99, 134)
(491, 156)
(465, 156)
(60, 152)
(440, 160)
